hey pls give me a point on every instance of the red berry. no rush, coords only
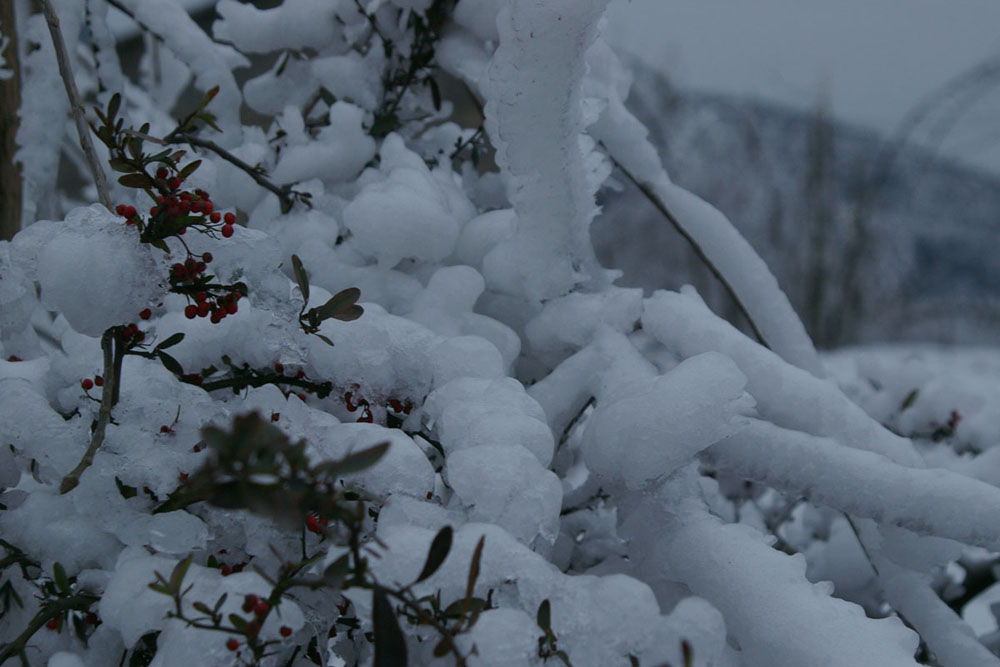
(232, 643)
(130, 211)
(300, 374)
(227, 230)
(87, 384)
(196, 449)
(367, 417)
(312, 524)
(278, 368)
(98, 380)
(91, 618)
(120, 209)
(191, 311)
(285, 631)
(203, 309)
(249, 602)
(206, 257)
(200, 297)
(275, 416)
(261, 608)
(166, 429)
(232, 308)
(13, 357)
(229, 218)
(174, 183)
(162, 172)
(145, 314)
(52, 623)
(215, 217)
(395, 405)
(302, 397)
(206, 207)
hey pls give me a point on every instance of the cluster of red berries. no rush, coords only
(216, 309)
(132, 334)
(366, 414)
(127, 212)
(316, 523)
(190, 269)
(89, 384)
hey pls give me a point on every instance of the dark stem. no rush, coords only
(113, 355)
(672, 219)
(283, 192)
(76, 104)
(50, 610)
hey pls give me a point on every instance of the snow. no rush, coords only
(92, 257)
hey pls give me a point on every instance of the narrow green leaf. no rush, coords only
(438, 551)
(441, 649)
(238, 621)
(477, 555)
(390, 644)
(209, 94)
(301, 277)
(113, 105)
(435, 93)
(179, 572)
(118, 164)
(544, 615)
(325, 340)
(136, 180)
(59, 575)
(170, 363)
(202, 607)
(362, 460)
(170, 341)
(159, 588)
(910, 399)
(188, 169)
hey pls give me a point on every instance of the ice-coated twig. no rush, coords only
(109, 396)
(76, 104)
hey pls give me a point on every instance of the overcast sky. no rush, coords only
(873, 59)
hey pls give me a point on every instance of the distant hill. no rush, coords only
(867, 248)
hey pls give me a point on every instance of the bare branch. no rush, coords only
(76, 104)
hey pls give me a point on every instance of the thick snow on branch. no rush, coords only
(930, 501)
(777, 617)
(536, 123)
(728, 254)
(210, 62)
(785, 395)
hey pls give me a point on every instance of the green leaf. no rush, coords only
(136, 180)
(208, 119)
(188, 169)
(209, 94)
(358, 461)
(159, 588)
(301, 277)
(442, 648)
(59, 576)
(437, 553)
(390, 644)
(238, 621)
(338, 303)
(179, 572)
(383, 125)
(118, 164)
(351, 314)
(544, 616)
(170, 363)
(125, 490)
(202, 607)
(170, 341)
(477, 555)
(435, 93)
(910, 399)
(324, 339)
(113, 105)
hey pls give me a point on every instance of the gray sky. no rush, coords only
(872, 59)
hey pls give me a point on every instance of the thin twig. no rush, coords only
(79, 602)
(109, 396)
(672, 219)
(76, 104)
(283, 192)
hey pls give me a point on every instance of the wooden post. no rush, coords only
(10, 98)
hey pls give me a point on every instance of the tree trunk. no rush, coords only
(10, 97)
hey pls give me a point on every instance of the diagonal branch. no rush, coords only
(76, 104)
